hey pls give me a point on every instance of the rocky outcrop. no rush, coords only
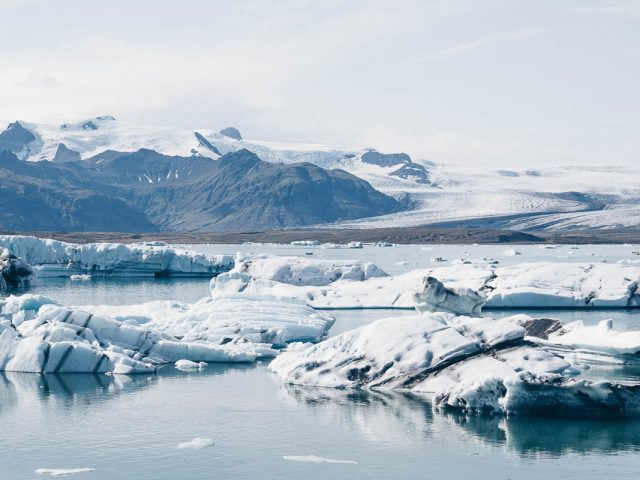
(407, 169)
(15, 138)
(14, 272)
(231, 132)
(64, 154)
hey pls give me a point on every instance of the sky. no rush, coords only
(508, 83)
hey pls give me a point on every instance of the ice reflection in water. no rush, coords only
(131, 425)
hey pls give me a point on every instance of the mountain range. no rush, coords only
(164, 178)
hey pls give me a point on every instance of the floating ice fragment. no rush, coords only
(61, 472)
(80, 278)
(187, 365)
(510, 252)
(315, 459)
(196, 444)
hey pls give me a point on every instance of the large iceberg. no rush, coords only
(463, 288)
(465, 363)
(38, 335)
(52, 258)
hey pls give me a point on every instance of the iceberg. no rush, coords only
(472, 364)
(461, 288)
(462, 301)
(600, 338)
(52, 258)
(14, 272)
(226, 320)
(38, 335)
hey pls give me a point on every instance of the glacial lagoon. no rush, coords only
(130, 426)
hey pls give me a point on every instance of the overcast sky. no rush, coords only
(508, 83)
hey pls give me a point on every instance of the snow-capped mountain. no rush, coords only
(534, 199)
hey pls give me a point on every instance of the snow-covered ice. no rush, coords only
(599, 338)
(472, 364)
(38, 335)
(525, 285)
(52, 258)
(187, 365)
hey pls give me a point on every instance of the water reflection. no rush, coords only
(397, 417)
(69, 389)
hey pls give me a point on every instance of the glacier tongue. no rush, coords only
(52, 258)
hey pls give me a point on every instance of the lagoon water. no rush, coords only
(129, 427)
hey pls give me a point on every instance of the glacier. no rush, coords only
(53, 258)
(39, 335)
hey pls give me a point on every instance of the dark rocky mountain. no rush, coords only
(231, 132)
(146, 191)
(15, 138)
(64, 154)
(406, 167)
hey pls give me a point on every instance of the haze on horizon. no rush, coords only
(497, 82)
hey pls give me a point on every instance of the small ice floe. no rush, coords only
(62, 472)
(305, 243)
(511, 252)
(461, 261)
(315, 459)
(403, 262)
(438, 259)
(187, 365)
(80, 278)
(384, 244)
(197, 443)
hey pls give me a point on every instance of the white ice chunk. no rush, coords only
(62, 472)
(197, 443)
(600, 338)
(315, 459)
(188, 365)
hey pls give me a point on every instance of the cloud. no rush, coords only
(40, 80)
(463, 48)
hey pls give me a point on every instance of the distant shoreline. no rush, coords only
(407, 235)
